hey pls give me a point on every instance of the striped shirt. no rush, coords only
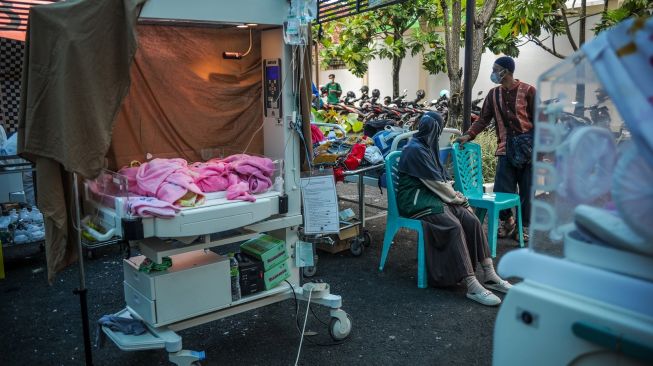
(520, 103)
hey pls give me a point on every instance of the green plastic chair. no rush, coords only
(468, 172)
(394, 222)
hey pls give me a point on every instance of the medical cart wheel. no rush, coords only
(356, 246)
(367, 238)
(339, 330)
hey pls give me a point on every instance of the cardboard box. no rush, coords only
(343, 243)
(275, 275)
(269, 250)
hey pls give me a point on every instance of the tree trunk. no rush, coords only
(396, 66)
(452, 47)
(481, 21)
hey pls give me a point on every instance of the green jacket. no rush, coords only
(333, 93)
(415, 200)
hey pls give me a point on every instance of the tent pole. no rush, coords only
(81, 291)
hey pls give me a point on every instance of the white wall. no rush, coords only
(531, 63)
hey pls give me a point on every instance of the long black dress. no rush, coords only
(455, 242)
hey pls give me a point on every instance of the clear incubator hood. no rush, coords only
(593, 154)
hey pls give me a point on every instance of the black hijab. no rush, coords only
(421, 158)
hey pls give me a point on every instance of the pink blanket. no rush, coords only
(151, 207)
(213, 176)
(166, 179)
(254, 170)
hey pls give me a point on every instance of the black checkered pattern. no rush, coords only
(11, 65)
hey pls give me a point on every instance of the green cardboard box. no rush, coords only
(276, 275)
(269, 250)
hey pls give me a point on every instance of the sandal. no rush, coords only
(486, 298)
(507, 229)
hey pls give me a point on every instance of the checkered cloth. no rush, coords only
(11, 65)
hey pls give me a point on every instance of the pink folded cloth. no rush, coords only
(213, 176)
(130, 173)
(258, 183)
(167, 179)
(254, 170)
(243, 164)
(240, 191)
(151, 207)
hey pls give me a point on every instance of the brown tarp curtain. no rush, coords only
(185, 97)
(75, 75)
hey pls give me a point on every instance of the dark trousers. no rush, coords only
(507, 179)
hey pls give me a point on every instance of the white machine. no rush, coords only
(196, 289)
(587, 294)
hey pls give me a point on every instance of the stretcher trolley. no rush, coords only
(197, 288)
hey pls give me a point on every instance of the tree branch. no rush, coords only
(580, 18)
(546, 48)
(486, 12)
(563, 8)
(447, 32)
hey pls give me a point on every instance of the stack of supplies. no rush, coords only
(272, 253)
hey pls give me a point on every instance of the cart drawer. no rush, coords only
(139, 281)
(141, 305)
(197, 282)
(187, 268)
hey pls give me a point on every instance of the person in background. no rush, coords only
(317, 101)
(512, 106)
(333, 90)
(453, 236)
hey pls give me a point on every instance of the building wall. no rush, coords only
(531, 63)
(11, 64)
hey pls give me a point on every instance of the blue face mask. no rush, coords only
(496, 78)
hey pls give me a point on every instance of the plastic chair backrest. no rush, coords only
(445, 137)
(392, 172)
(468, 169)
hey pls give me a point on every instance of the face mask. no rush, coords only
(496, 78)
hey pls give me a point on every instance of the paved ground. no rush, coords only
(394, 321)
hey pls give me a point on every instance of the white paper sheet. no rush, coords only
(320, 205)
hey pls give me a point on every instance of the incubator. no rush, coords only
(587, 294)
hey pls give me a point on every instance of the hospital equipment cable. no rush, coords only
(301, 338)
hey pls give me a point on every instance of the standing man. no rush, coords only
(512, 106)
(333, 90)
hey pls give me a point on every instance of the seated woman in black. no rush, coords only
(453, 236)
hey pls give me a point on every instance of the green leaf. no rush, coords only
(505, 31)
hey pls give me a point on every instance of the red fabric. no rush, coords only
(355, 157)
(316, 134)
(339, 174)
